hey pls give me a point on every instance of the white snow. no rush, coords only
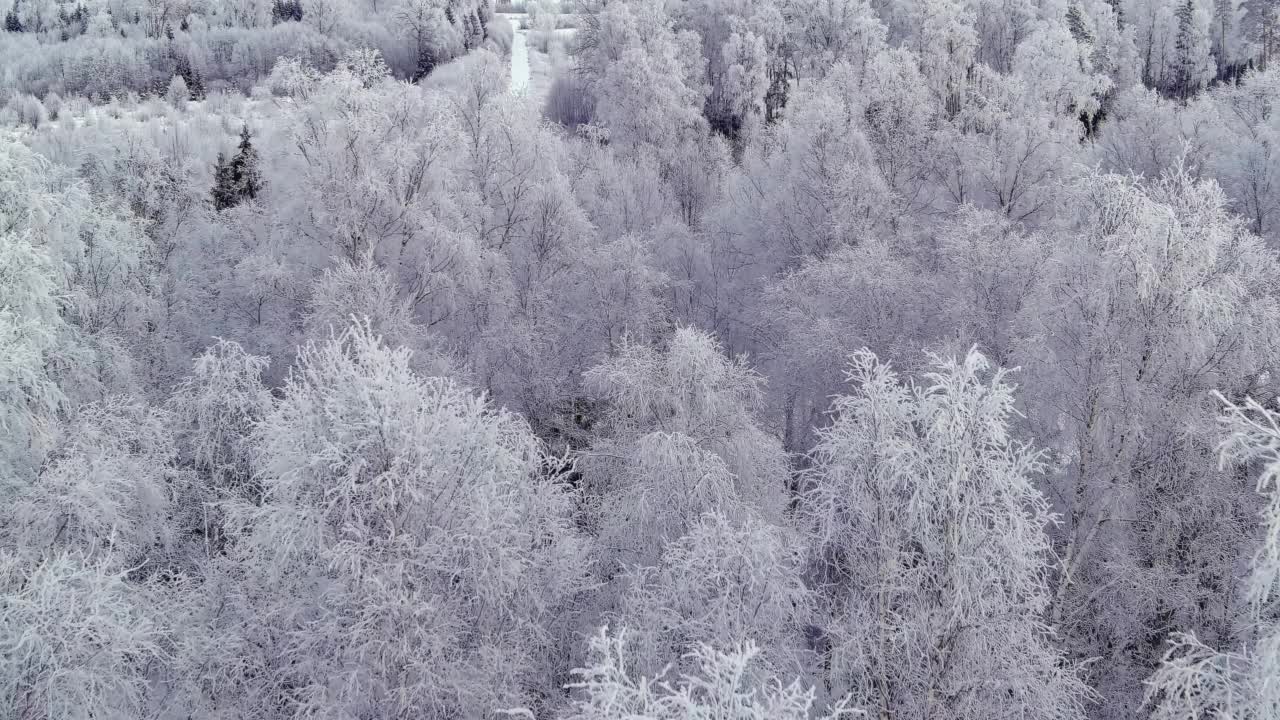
(520, 61)
(521, 73)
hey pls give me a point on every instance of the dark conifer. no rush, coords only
(11, 21)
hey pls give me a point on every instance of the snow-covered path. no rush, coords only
(519, 62)
(519, 56)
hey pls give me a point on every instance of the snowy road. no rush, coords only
(520, 70)
(520, 61)
(532, 61)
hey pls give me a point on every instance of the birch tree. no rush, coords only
(722, 686)
(680, 439)
(408, 558)
(1128, 339)
(931, 552)
(1195, 680)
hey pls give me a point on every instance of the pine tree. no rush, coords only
(239, 179)
(1258, 26)
(470, 32)
(224, 195)
(1076, 24)
(11, 21)
(245, 175)
(1189, 51)
(1223, 17)
(191, 76)
(775, 98)
(426, 62)
(286, 11)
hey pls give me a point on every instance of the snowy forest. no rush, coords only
(640, 359)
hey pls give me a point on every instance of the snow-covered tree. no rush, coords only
(995, 267)
(1057, 70)
(729, 581)
(77, 639)
(815, 188)
(681, 439)
(816, 316)
(746, 82)
(70, 288)
(1196, 681)
(1002, 26)
(409, 557)
(1172, 38)
(177, 93)
(423, 23)
(239, 179)
(833, 30)
(931, 551)
(1192, 64)
(1150, 136)
(1123, 343)
(947, 44)
(84, 550)
(724, 686)
(380, 181)
(218, 405)
(106, 490)
(647, 83)
(1243, 151)
(901, 121)
(30, 327)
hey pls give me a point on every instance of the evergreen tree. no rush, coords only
(1076, 24)
(286, 11)
(11, 21)
(1190, 53)
(239, 179)
(426, 62)
(244, 168)
(191, 76)
(470, 32)
(223, 186)
(1182, 72)
(1224, 21)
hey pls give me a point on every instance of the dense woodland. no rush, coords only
(753, 360)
